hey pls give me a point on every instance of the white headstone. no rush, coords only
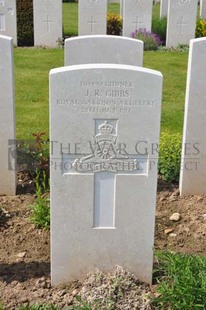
(103, 49)
(92, 17)
(203, 9)
(181, 22)
(163, 8)
(7, 118)
(47, 22)
(193, 170)
(8, 24)
(136, 14)
(105, 119)
(121, 7)
(113, 1)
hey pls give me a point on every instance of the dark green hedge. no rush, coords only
(25, 31)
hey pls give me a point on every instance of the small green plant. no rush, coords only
(182, 282)
(182, 48)
(200, 28)
(60, 42)
(38, 307)
(35, 155)
(82, 305)
(114, 24)
(170, 156)
(151, 40)
(3, 220)
(159, 26)
(41, 209)
(40, 152)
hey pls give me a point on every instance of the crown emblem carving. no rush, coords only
(105, 155)
(105, 133)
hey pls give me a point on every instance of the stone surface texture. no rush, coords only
(136, 14)
(203, 9)
(92, 17)
(8, 23)
(7, 118)
(105, 123)
(181, 22)
(163, 8)
(47, 22)
(193, 169)
(103, 49)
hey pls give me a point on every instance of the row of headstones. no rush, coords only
(181, 19)
(47, 21)
(102, 118)
(164, 5)
(137, 14)
(92, 19)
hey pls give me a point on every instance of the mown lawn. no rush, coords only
(32, 66)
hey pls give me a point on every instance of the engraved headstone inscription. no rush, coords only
(193, 163)
(105, 122)
(92, 17)
(137, 14)
(8, 23)
(116, 49)
(47, 22)
(7, 118)
(181, 22)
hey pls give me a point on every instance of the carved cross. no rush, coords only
(92, 23)
(182, 24)
(48, 23)
(3, 11)
(104, 163)
(137, 22)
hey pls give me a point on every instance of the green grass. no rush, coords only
(32, 67)
(70, 19)
(173, 66)
(182, 282)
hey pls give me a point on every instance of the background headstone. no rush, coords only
(203, 9)
(163, 8)
(103, 49)
(105, 119)
(136, 14)
(181, 22)
(92, 17)
(113, 1)
(193, 170)
(121, 7)
(7, 118)
(8, 23)
(47, 22)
